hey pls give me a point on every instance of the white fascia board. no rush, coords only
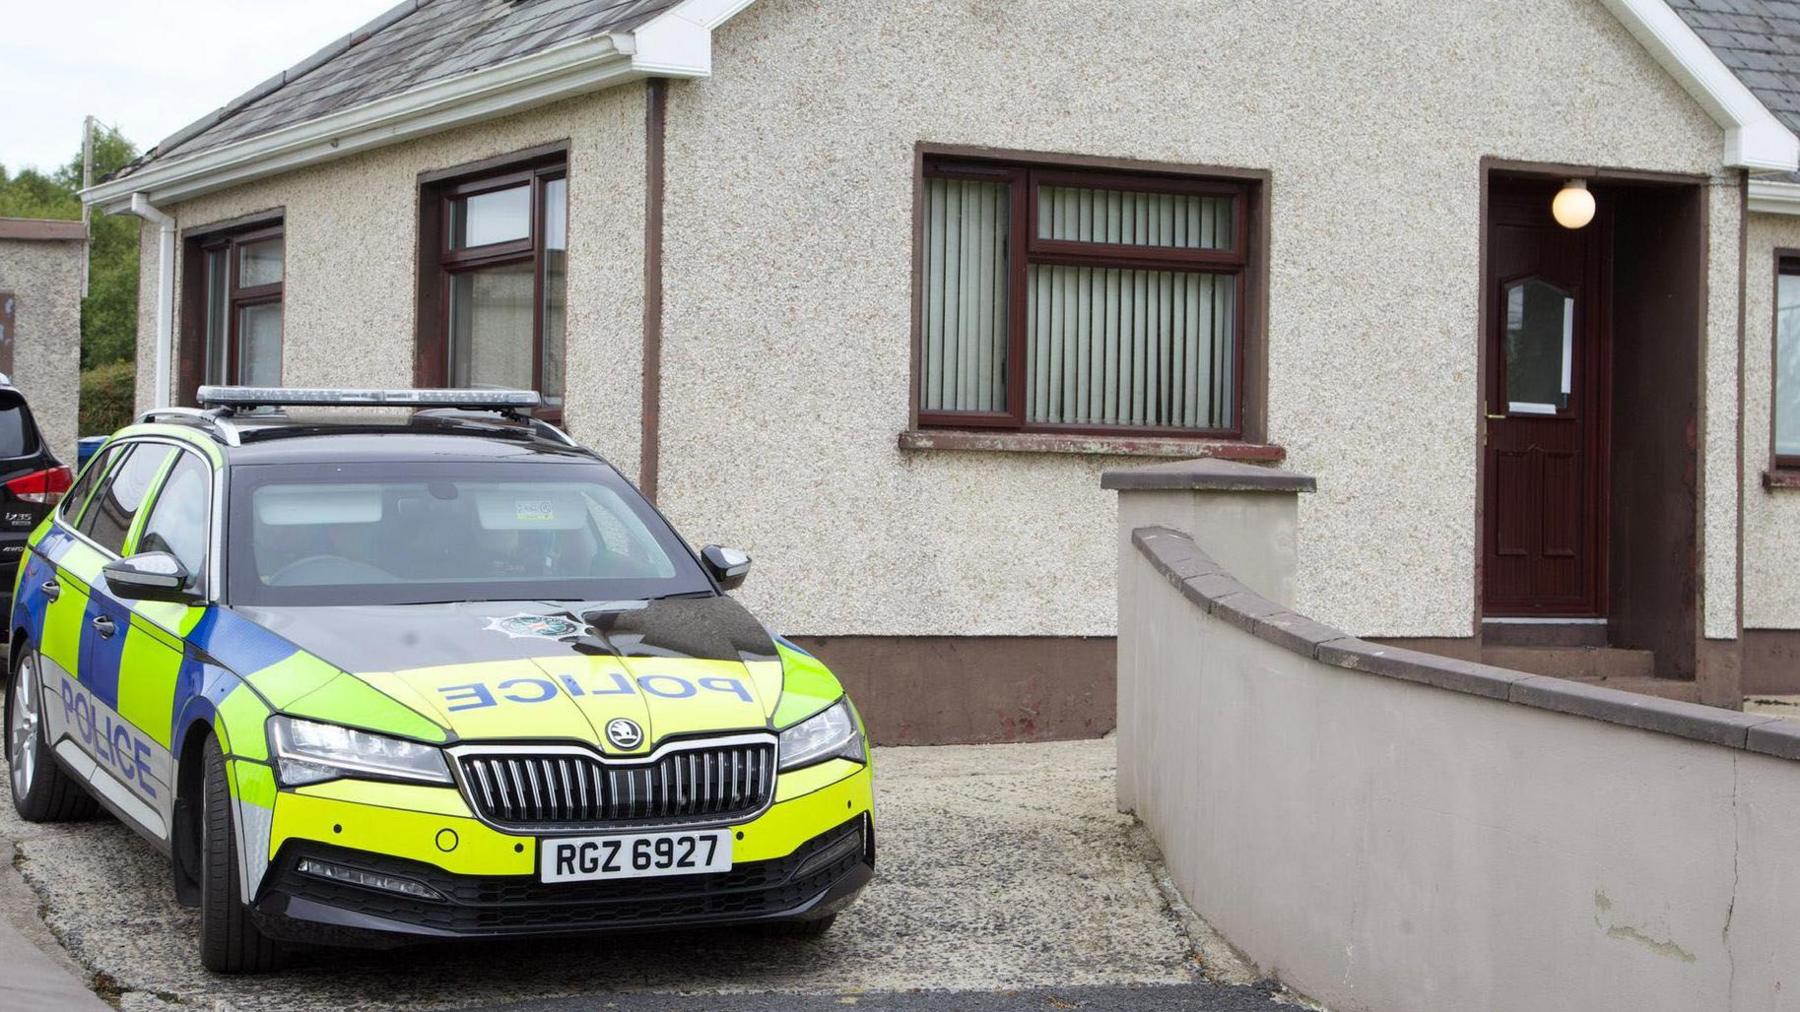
(1754, 138)
(676, 43)
(1774, 196)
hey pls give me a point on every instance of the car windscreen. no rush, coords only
(427, 532)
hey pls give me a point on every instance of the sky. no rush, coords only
(148, 67)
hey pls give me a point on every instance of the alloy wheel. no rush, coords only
(22, 736)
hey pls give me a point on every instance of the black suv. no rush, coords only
(32, 478)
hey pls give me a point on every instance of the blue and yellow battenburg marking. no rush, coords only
(123, 709)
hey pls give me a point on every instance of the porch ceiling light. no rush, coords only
(1574, 205)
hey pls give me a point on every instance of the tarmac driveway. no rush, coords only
(1003, 870)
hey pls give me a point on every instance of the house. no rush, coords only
(42, 272)
(877, 290)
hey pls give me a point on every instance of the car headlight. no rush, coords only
(307, 752)
(828, 735)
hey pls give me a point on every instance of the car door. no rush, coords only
(129, 772)
(154, 676)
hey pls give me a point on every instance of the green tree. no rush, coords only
(109, 313)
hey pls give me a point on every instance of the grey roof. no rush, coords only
(413, 43)
(1760, 41)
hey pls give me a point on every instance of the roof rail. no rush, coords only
(516, 403)
(215, 421)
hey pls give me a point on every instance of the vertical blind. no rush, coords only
(1130, 347)
(1129, 218)
(1124, 345)
(965, 292)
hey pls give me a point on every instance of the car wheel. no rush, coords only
(41, 790)
(229, 941)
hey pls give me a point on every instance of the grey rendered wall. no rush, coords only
(46, 277)
(352, 256)
(790, 255)
(1381, 843)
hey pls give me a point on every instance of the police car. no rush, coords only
(424, 674)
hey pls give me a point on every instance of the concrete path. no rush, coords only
(1004, 871)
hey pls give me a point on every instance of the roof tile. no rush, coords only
(413, 43)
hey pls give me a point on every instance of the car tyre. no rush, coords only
(42, 790)
(230, 942)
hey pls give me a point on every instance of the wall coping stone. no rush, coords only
(1206, 475)
(1218, 593)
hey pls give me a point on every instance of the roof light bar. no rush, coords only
(270, 397)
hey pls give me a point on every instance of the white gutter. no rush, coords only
(1754, 138)
(165, 294)
(676, 43)
(1774, 196)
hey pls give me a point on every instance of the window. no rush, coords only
(1540, 348)
(493, 300)
(178, 522)
(1787, 364)
(108, 520)
(84, 485)
(239, 335)
(18, 436)
(1053, 300)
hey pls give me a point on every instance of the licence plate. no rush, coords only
(588, 858)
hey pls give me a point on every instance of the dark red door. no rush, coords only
(1546, 412)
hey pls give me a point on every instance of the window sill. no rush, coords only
(1780, 478)
(1098, 446)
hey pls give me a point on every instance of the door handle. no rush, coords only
(105, 626)
(1497, 418)
(51, 589)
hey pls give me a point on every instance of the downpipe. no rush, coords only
(165, 293)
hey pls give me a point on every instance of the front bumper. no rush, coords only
(805, 858)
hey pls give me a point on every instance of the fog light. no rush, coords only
(368, 879)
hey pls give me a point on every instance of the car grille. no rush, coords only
(571, 790)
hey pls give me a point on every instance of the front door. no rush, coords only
(1546, 412)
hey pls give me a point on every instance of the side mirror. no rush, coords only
(149, 576)
(729, 566)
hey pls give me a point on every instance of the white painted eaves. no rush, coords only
(676, 43)
(1754, 138)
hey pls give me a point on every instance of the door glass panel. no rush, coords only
(488, 218)
(259, 345)
(491, 319)
(260, 263)
(556, 287)
(218, 317)
(177, 523)
(1540, 337)
(109, 519)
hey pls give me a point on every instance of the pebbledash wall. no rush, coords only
(786, 358)
(789, 248)
(1771, 514)
(44, 275)
(352, 235)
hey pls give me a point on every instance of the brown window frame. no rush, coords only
(1787, 263)
(198, 248)
(439, 263)
(1025, 173)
